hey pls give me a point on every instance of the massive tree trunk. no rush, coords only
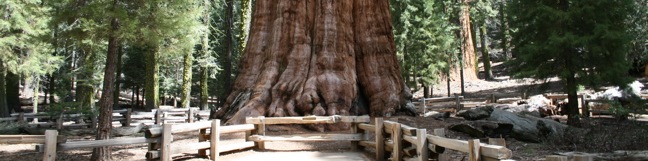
(467, 47)
(317, 57)
(106, 102)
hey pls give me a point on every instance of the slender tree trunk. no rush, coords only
(469, 58)
(227, 54)
(474, 28)
(51, 88)
(186, 81)
(142, 101)
(13, 91)
(504, 32)
(152, 96)
(316, 57)
(4, 108)
(85, 89)
(106, 102)
(118, 68)
(485, 53)
(133, 92)
(426, 91)
(204, 73)
(572, 105)
(36, 85)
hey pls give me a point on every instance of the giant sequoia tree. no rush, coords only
(317, 57)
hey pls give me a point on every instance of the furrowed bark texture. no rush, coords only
(104, 127)
(467, 47)
(317, 57)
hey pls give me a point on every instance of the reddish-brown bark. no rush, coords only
(467, 47)
(317, 57)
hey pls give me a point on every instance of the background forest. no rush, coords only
(93, 55)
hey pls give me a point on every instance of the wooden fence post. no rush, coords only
(397, 138)
(214, 139)
(21, 117)
(157, 117)
(424, 106)
(129, 112)
(355, 130)
(190, 118)
(380, 139)
(202, 137)
(260, 128)
(438, 150)
(59, 122)
(167, 137)
(473, 150)
(50, 145)
(422, 145)
(458, 103)
(584, 106)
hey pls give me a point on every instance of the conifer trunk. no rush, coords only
(13, 91)
(488, 74)
(85, 89)
(504, 30)
(467, 47)
(104, 127)
(317, 57)
(118, 68)
(186, 81)
(152, 94)
(4, 108)
(228, 51)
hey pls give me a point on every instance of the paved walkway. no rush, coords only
(300, 156)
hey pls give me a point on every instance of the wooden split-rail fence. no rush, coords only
(585, 107)
(392, 140)
(122, 117)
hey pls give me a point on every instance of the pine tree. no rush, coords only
(423, 36)
(573, 40)
(24, 49)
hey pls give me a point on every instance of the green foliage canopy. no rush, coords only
(584, 39)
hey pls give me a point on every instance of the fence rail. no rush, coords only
(393, 140)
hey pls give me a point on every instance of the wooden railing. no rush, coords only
(123, 117)
(165, 149)
(408, 143)
(260, 136)
(401, 141)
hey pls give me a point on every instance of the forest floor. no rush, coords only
(604, 134)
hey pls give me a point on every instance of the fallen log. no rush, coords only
(528, 128)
